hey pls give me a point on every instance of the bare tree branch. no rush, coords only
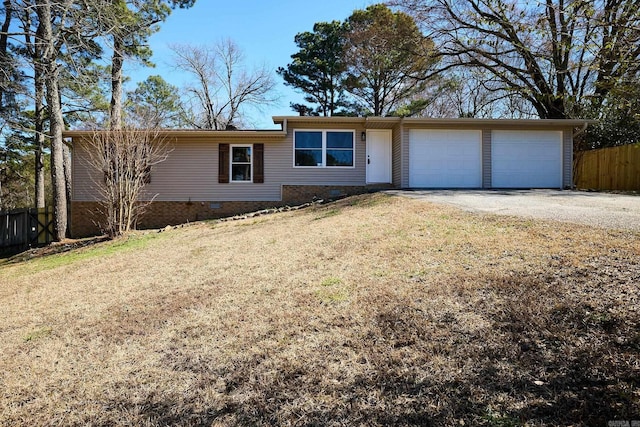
(223, 87)
(125, 159)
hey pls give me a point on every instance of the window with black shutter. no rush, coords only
(241, 163)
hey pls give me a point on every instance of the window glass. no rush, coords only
(324, 148)
(339, 157)
(340, 140)
(241, 154)
(309, 140)
(241, 163)
(308, 157)
(241, 172)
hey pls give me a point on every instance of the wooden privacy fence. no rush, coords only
(24, 228)
(613, 168)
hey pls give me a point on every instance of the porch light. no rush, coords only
(363, 136)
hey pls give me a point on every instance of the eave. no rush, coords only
(198, 134)
(389, 122)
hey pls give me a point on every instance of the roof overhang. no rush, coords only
(197, 134)
(374, 122)
(366, 122)
(525, 123)
(378, 122)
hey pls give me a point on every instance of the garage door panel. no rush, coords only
(445, 159)
(526, 159)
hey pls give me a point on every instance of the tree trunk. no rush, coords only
(40, 198)
(116, 84)
(51, 69)
(57, 156)
(3, 46)
(39, 84)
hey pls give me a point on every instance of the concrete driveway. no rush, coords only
(605, 210)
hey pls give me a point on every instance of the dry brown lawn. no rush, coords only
(374, 310)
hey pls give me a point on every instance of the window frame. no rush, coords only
(324, 148)
(231, 163)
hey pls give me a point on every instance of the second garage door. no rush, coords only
(445, 158)
(526, 159)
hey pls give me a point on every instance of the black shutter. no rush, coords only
(223, 163)
(258, 163)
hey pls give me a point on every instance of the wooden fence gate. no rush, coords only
(24, 228)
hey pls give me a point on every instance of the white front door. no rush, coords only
(378, 156)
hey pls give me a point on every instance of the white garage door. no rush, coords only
(445, 158)
(526, 159)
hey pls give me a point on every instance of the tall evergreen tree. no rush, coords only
(318, 69)
(130, 24)
(376, 62)
(155, 104)
(50, 39)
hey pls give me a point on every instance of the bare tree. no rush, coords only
(557, 55)
(124, 158)
(223, 87)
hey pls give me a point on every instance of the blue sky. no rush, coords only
(264, 29)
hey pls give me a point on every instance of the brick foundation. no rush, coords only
(85, 216)
(298, 194)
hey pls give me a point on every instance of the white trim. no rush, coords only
(324, 132)
(231, 163)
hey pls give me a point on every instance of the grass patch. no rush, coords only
(331, 281)
(392, 312)
(333, 296)
(327, 213)
(129, 243)
(37, 334)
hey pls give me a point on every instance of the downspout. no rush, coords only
(582, 129)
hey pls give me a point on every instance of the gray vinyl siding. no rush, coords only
(567, 158)
(405, 157)
(83, 176)
(190, 172)
(396, 154)
(486, 158)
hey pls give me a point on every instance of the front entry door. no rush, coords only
(378, 156)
